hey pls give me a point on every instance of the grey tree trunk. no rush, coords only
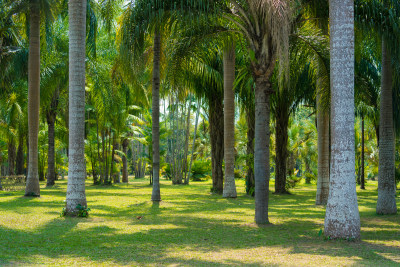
(229, 122)
(32, 181)
(77, 163)
(323, 154)
(386, 176)
(261, 149)
(156, 196)
(342, 219)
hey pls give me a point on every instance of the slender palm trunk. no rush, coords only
(362, 186)
(342, 219)
(51, 170)
(156, 196)
(250, 119)
(216, 115)
(386, 176)
(281, 150)
(194, 142)
(32, 181)
(11, 157)
(261, 147)
(187, 141)
(19, 164)
(323, 153)
(77, 163)
(229, 123)
(125, 145)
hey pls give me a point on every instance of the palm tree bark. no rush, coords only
(342, 219)
(323, 154)
(362, 186)
(77, 163)
(51, 172)
(32, 181)
(156, 196)
(11, 157)
(386, 176)
(229, 190)
(19, 165)
(281, 150)
(216, 115)
(250, 119)
(261, 147)
(194, 142)
(125, 145)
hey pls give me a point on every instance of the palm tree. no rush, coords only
(77, 162)
(32, 180)
(229, 122)
(342, 219)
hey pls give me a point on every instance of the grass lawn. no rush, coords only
(189, 227)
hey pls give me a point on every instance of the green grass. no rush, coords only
(189, 227)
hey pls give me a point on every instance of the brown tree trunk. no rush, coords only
(281, 151)
(125, 145)
(250, 119)
(216, 115)
(20, 156)
(11, 157)
(32, 181)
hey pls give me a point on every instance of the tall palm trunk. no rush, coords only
(323, 153)
(187, 135)
(261, 148)
(342, 219)
(229, 122)
(250, 119)
(216, 115)
(77, 164)
(19, 164)
(51, 160)
(281, 150)
(32, 181)
(11, 157)
(51, 174)
(156, 196)
(362, 186)
(194, 142)
(125, 145)
(386, 176)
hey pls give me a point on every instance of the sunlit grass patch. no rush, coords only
(189, 227)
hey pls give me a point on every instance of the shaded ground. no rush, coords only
(189, 227)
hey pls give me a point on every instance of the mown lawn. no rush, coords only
(189, 227)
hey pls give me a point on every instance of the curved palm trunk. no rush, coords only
(342, 219)
(77, 163)
(386, 176)
(229, 190)
(32, 181)
(125, 145)
(156, 196)
(261, 147)
(323, 154)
